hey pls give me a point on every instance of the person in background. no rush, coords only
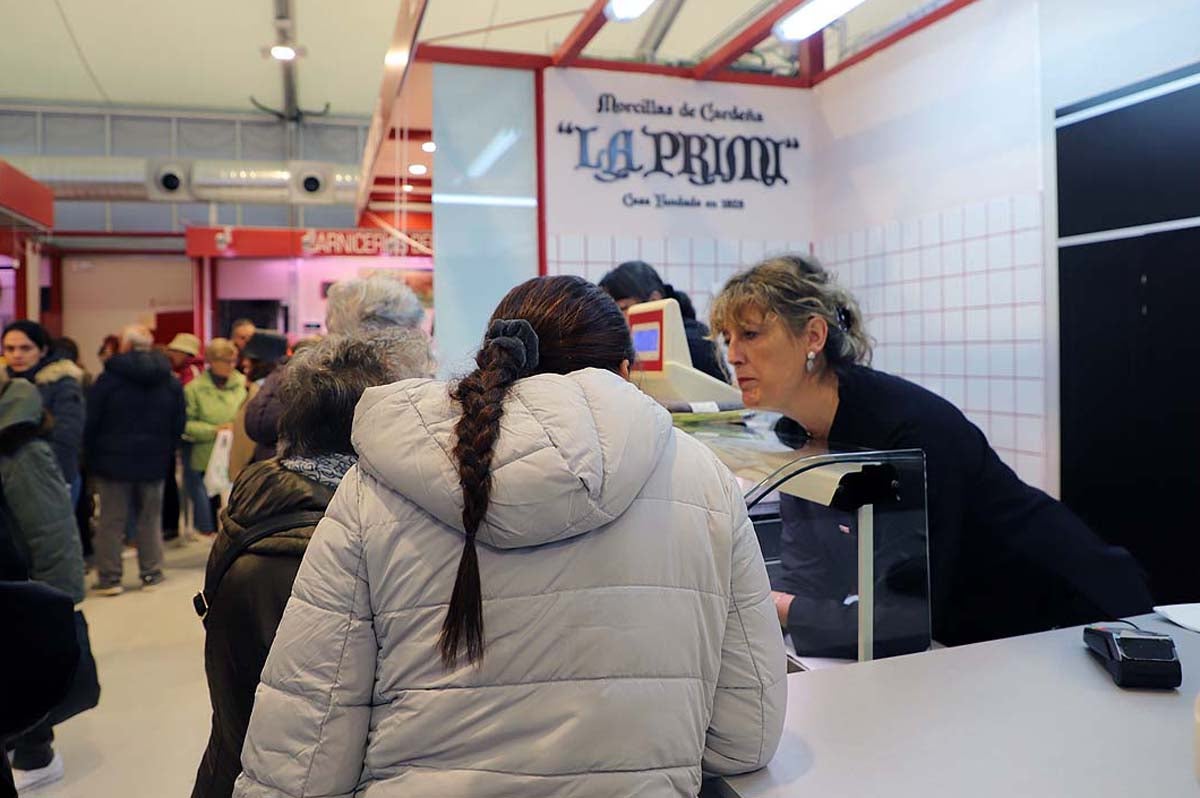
(186, 363)
(84, 504)
(353, 307)
(108, 347)
(1004, 558)
(323, 385)
(240, 333)
(634, 282)
(606, 589)
(265, 353)
(40, 521)
(212, 401)
(184, 354)
(135, 416)
(60, 381)
(67, 349)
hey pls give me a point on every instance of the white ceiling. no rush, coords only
(190, 54)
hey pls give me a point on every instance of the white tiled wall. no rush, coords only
(955, 301)
(698, 266)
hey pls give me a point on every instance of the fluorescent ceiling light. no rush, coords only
(417, 169)
(811, 17)
(485, 199)
(407, 187)
(494, 151)
(626, 10)
(281, 52)
(429, 146)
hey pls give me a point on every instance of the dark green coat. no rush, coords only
(34, 494)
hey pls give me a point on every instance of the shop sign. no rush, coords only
(362, 242)
(691, 154)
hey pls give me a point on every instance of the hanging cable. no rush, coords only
(79, 51)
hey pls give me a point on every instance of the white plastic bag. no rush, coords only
(216, 475)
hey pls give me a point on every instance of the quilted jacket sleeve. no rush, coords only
(308, 731)
(751, 695)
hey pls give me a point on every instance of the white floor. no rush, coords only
(146, 737)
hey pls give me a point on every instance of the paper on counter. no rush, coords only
(1185, 615)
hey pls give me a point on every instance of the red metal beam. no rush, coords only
(900, 35)
(504, 59)
(387, 181)
(414, 134)
(582, 34)
(24, 198)
(398, 59)
(391, 196)
(467, 56)
(733, 49)
(811, 58)
(540, 164)
(107, 234)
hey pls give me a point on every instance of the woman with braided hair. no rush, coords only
(530, 584)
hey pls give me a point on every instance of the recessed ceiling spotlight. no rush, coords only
(417, 169)
(429, 146)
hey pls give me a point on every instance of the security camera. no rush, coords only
(311, 183)
(169, 179)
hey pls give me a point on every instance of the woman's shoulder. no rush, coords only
(59, 370)
(865, 386)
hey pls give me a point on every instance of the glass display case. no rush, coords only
(842, 529)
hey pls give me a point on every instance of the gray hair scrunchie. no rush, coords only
(518, 338)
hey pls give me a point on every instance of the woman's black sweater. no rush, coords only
(1005, 558)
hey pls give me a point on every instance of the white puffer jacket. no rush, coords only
(630, 634)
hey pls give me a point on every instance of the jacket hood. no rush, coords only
(20, 403)
(144, 368)
(573, 452)
(56, 370)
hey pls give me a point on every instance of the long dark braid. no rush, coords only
(509, 352)
(547, 325)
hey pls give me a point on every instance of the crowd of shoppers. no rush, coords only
(477, 552)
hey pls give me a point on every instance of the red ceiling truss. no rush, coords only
(717, 67)
(720, 66)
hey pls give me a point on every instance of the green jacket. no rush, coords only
(38, 505)
(208, 407)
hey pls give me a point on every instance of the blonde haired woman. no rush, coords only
(1005, 558)
(212, 400)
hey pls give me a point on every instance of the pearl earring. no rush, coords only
(810, 364)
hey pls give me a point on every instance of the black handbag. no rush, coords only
(37, 671)
(84, 693)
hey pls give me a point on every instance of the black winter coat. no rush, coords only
(246, 610)
(60, 383)
(135, 416)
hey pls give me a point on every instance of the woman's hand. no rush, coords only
(783, 603)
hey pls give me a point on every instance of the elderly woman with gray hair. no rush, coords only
(273, 509)
(355, 307)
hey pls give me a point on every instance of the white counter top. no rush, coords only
(1027, 717)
